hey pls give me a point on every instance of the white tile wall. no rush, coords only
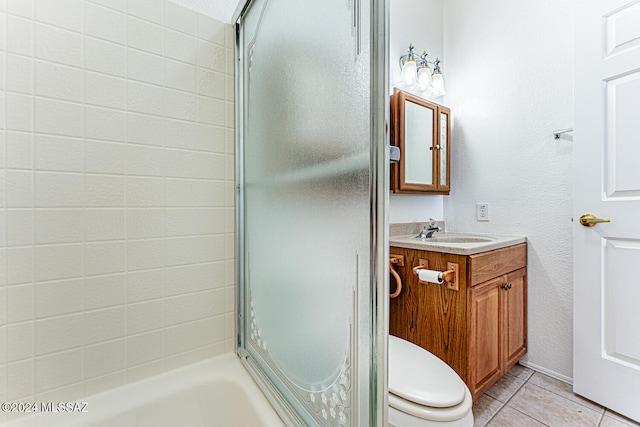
(116, 193)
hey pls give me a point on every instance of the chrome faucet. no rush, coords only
(428, 231)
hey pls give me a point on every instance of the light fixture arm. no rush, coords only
(409, 56)
(423, 60)
(436, 66)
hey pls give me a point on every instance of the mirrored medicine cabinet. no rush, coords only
(421, 129)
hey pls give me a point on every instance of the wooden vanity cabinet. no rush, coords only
(479, 330)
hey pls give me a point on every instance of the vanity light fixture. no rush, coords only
(416, 75)
(409, 67)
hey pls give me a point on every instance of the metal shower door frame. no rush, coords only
(379, 207)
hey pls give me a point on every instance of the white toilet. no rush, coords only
(424, 391)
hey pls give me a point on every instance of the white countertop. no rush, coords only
(457, 243)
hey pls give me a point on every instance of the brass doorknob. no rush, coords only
(589, 220)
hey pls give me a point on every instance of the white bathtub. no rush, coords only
(212, 393)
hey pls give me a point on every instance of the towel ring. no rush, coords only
(398, 281)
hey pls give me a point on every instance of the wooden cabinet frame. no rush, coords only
(440, 145)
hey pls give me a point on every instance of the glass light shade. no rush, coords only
(438, 85)
(408, 74)
(424, 79)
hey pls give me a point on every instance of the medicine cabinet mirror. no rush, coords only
(421, 129)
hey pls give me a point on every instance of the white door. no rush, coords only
(607, 184)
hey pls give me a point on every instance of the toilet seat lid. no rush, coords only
(420, 377)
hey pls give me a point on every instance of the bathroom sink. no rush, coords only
(457, 238)
(460, 243)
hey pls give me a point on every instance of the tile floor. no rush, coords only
(525, 398)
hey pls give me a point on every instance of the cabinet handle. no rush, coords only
(506, 286)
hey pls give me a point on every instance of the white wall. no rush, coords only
(420, 23)
(414, 208)
(509, 81)
(116, 193)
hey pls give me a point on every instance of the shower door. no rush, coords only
(312, 200)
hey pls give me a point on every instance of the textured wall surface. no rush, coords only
(116, 193)
(509, 82)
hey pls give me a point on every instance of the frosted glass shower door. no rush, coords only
(307, 181)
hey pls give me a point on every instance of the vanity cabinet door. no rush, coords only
(515, 317)
(485, 347)
(498, 324)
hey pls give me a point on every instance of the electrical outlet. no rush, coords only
(482, 211)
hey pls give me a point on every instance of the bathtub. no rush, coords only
(212, 393)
